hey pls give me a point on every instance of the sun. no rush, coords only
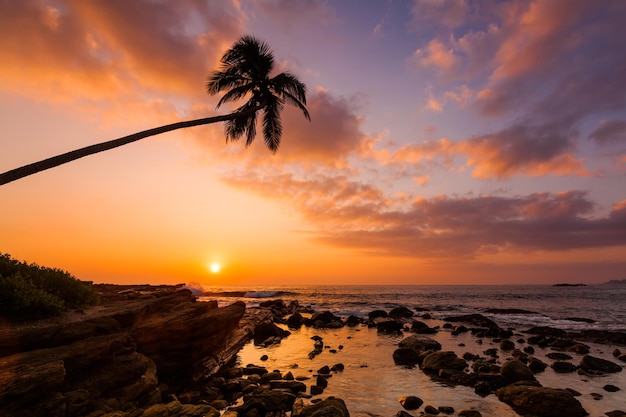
(215, 267)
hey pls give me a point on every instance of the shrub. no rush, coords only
(31, 291)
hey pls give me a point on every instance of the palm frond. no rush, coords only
(289, 83)
(272, 126)
(294, 101)
(235, 94)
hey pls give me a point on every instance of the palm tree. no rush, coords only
(245, 70)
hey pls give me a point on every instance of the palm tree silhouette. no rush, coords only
(245, 70)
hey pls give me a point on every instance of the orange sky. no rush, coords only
(451, 142)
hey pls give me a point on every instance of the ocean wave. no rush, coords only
(246, 294)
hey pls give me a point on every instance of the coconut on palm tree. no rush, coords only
(245, 71)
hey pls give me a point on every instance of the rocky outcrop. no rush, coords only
(541, 401)
(331, 406)
(118, 355)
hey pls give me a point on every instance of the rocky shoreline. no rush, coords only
(149, 351)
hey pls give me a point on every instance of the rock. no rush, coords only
(507, 344)
(420, 343)
(411, 402)
(295, 321)
(324, 370)
(403, 413)
(389, 326)
(597, 365)
(616, 413)
(470, 413)
(293, 386)
(175, 408)
(429, 409)
(316, 390)
(264, 358)
(406, 357)
(266, 401)
(446, 409)
(541, 401)
(321, 382)
(437, 361)
(515, 371)
(546, 331)
(562, 367)
(326, 320)
(420, 327)
(330, 407)
(265, 332)
(353, 320)
(536, 365)
(400, 313)
(611, 388)
(474, 319)
(372, 315)
(338, 367)
(557, 356)
(616, 353)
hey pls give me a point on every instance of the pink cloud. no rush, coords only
(75, 50)
(609, 131)
(352, 214)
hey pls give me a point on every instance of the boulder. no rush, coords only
(506, 344)
(592, 364)
(406, 357)
(420, 327)
(268, 331)
(295, 321)
(326, 320)
(266, 401)
(400, 313)
(437, 361)
(563, 367)
(411, 402)
(372, 315)
(330, 407)
(515, 371)
(541, 401)
(420, 343)
(389, 326)
(470, 413)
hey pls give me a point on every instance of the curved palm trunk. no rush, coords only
(21, 172)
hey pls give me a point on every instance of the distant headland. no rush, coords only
(569, 285)
(617, 281)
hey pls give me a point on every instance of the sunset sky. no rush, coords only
(451, 142)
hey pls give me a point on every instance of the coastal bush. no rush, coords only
(30, 291)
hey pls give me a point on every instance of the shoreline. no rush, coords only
(183, 354)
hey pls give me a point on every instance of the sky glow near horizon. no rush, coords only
(451, 142)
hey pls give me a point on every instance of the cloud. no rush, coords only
(534, 151)
(609, 131)
(71, 50)
(352, 214)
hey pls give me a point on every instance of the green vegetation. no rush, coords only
(32, 291)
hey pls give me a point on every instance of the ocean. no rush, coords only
(371, 383)
(547, 305)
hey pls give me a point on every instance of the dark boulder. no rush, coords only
(268, 333)
(411, 402)
(401, 313)
(541, 401)
(437, 361)
(406, 357)
(563, 367)
(372, 315)
(295, 321)
(389, 326)
(326, 320)
(597, 365)
(420, 343)
(515, 371)
(420, 327)
(330, 407)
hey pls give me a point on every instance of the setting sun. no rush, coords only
(215, 267)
